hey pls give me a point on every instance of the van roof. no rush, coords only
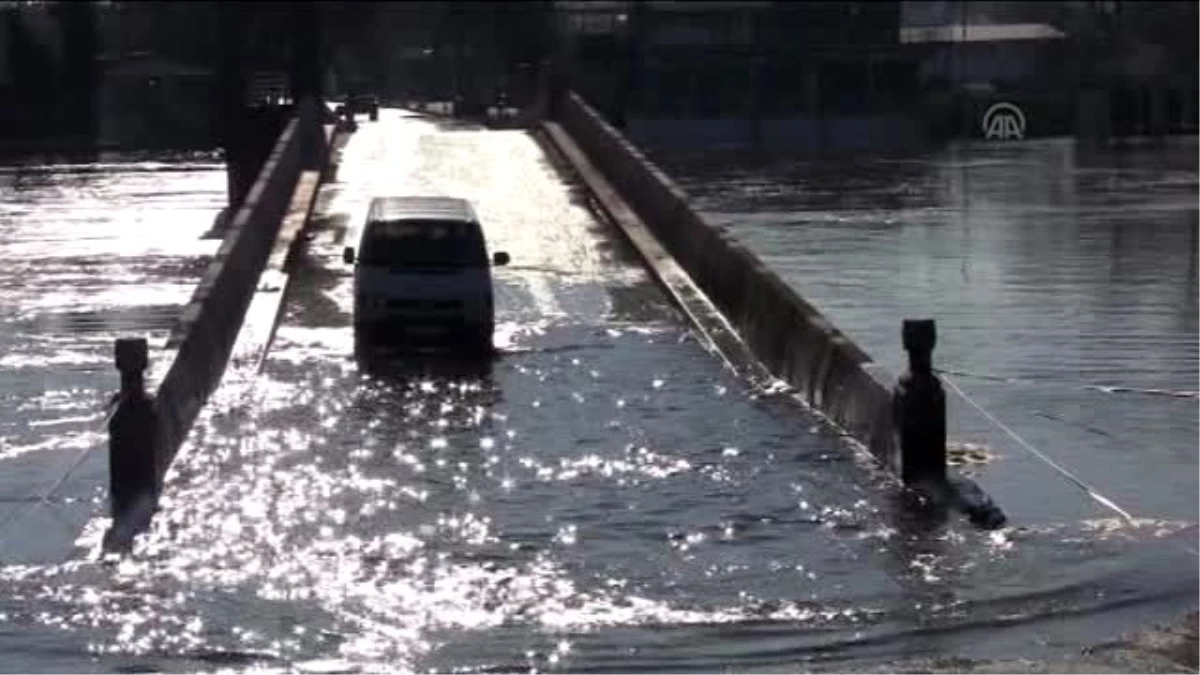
(388, 209)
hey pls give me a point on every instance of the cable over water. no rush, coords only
(1071, 477)
(1091, 491)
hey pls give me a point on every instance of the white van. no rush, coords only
(422, 275)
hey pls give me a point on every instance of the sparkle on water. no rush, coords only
(92, 252)
(651, 512)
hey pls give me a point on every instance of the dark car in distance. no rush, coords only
(360, 104)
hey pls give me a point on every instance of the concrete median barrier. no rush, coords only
(211, 321)
(901, 422)
(790, 337)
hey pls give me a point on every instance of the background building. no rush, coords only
(745, 72)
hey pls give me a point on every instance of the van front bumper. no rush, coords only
(424, 332)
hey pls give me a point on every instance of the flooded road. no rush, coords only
(91, 252)
(603, 497)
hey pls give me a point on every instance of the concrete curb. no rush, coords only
(788, 337)
(261, 320)
(244, 279)
(716, 333)
(714, 330)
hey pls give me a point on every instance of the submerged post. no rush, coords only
(132, 437)
(919, 409)
(919, 414)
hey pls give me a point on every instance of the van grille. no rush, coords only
(425, 304)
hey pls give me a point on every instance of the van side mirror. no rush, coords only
(348, 255)
(500, 259)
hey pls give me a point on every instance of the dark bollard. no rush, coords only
(919, 413)
(919, 409)
(132, 439)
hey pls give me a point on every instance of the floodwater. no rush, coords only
(602, 496)
(91, 252)
(1063, 280)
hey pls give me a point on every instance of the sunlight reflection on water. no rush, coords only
(601, 496)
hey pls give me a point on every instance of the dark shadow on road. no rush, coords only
(308, 303)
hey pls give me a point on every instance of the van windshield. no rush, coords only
(424, 243)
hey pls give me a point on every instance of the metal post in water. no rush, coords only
(919, 407)
(132, 438)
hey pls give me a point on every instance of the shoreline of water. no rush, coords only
(1162, 647)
